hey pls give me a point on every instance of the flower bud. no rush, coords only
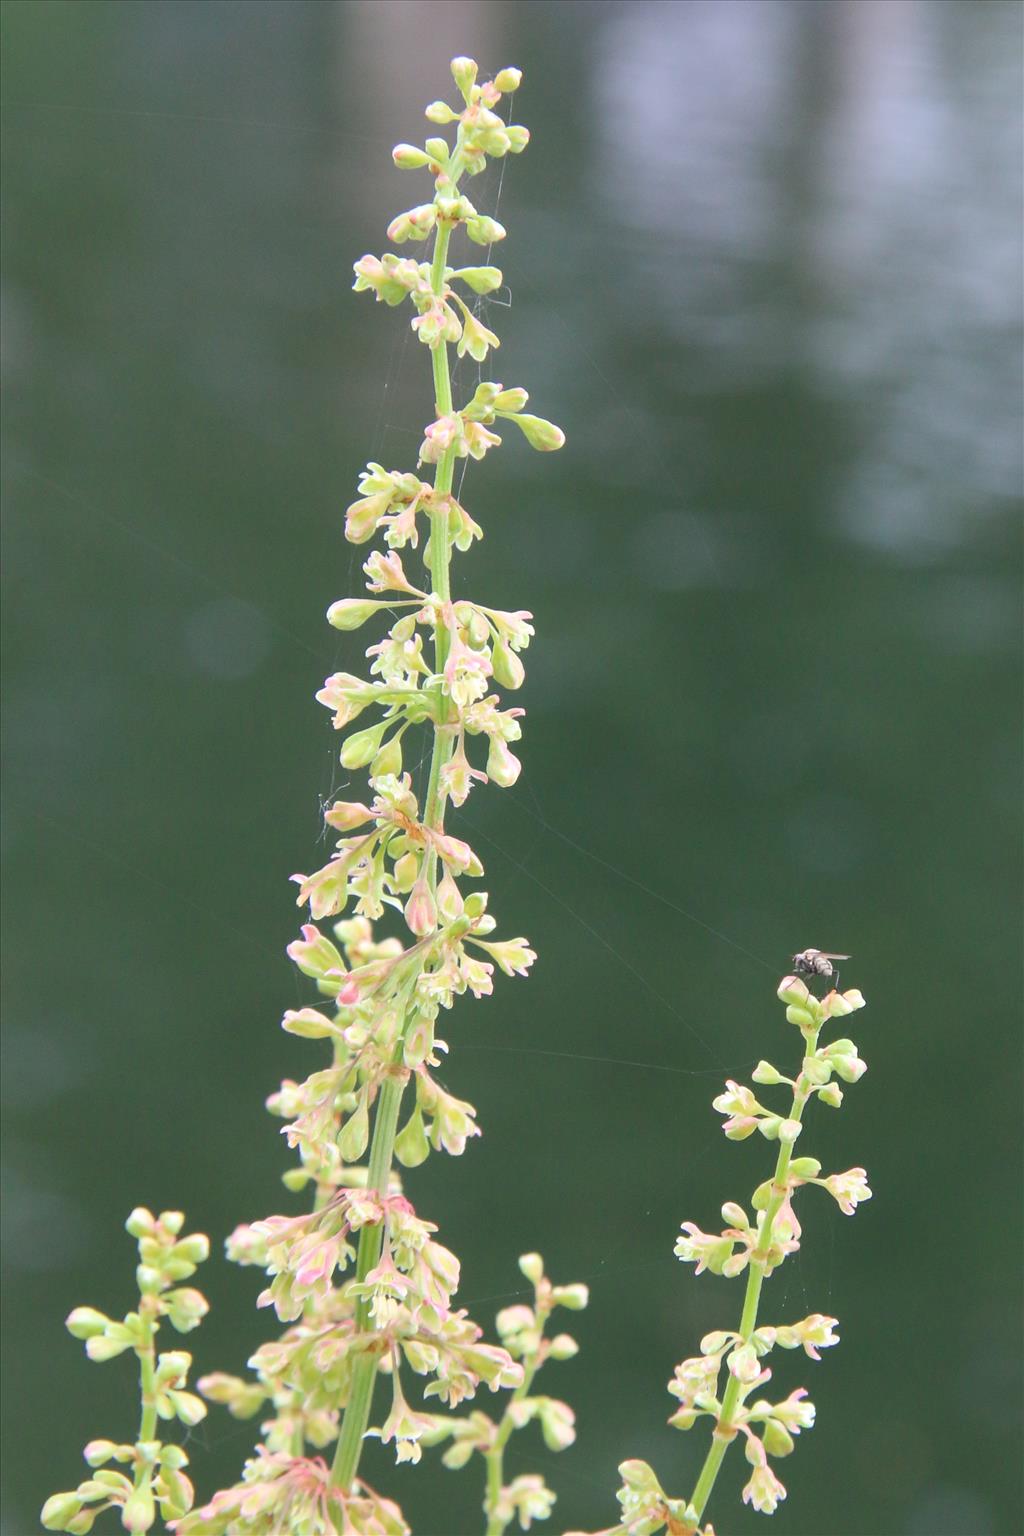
(85, 1322)
(350, 612)
(195, 1248)
(484, 231)
(777, 1440)
(141, 1222)
(449, 899)
(361, 747)
(805, 1167)
(172, 1220)
(464, 73)
(540, 434)
(440, 112)
(408, 158)
(518, 138)
(98, 1452)
(103, 1347)
(308, 1024)
(507, 668)
(411, 1144)
(765, 1073)
(355, 1133)
(389, 758)
(531, 1264)
(832, 1095)
(421, 910)
(735, 1215)
(789, 1130)
(563, 1346)
(480, 279)
(58, 1510)
(139, 1511)
(508, 80)
(573, 1297)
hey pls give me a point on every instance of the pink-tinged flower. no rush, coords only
(513, 956)
(385, 573)
(764, 1490)
(343, 815)
(743, 1364)
(847, 1189)
(812, 1334)
(457, 854)
(706, 1250)
(696, 1379)
(795, 1412)
(457, 776)
(477, 975)
(439, 437)
(362, 517)
(348, 696)
(476, 439)
(503, 767)
(326, 889)
(421, 909)
(837, 1004)
(738, 1099)
(313, 953)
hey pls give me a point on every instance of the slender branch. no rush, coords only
(725, 1430)
(495, 1457)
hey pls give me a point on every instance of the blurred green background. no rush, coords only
(765, 268)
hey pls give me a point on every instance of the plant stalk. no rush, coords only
(385, 1125)
(725, 1430)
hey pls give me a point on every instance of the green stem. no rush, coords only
(725, 1429)
(385, 1125)
(495, 1457)
(147, 1378)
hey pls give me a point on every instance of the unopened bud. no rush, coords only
(464, 72)
(573, 1297)
(58, 1510)
(540, 434)
(530, 1264)
(440, 112)
(85, 1322)
(408, 158)
(484, 231)
(141, 1222)
(765, 1073)
(508, 80)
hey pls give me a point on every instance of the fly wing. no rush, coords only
(828, 954)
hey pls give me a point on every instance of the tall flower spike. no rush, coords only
(721, 1382)
(360, 1282)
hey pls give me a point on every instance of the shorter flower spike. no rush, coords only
(757, 1245)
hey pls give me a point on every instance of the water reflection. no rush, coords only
(835, 190)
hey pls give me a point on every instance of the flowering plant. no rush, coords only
(360, 1281)
(756, 1246)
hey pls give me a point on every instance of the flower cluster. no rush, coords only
(521, 1329)
(360, 1282)
(154, 1477)
(724, 1382)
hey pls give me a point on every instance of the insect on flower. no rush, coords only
(817, 962)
